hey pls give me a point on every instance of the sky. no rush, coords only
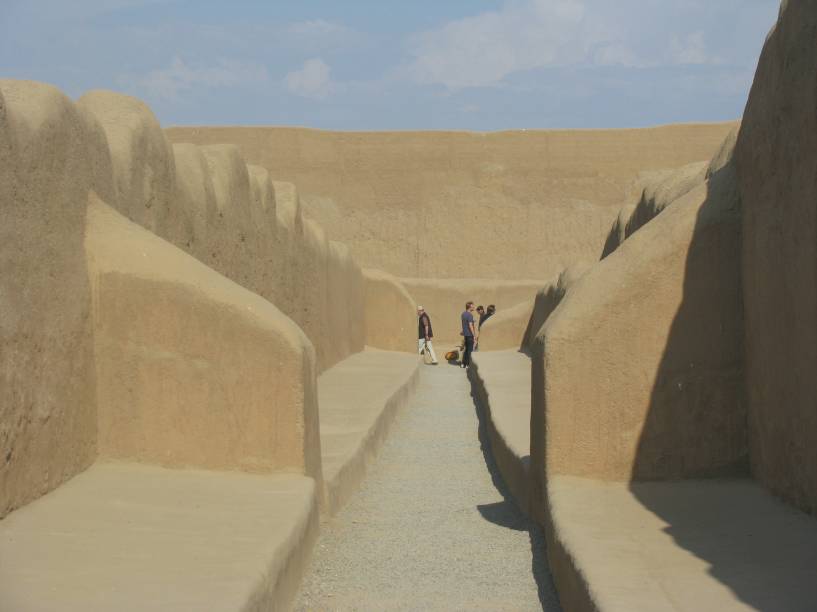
(398, 65)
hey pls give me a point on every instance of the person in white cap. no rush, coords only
(425, 334)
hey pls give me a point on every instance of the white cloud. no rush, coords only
(690, 50)
(179, 78)
(312, 80)
(484, 49)
(524, 62)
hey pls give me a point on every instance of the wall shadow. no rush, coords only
(764, 551)
(696, 424)
(507, 514)
(546, 301)
(697, 428)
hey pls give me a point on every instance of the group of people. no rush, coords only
(469, 333)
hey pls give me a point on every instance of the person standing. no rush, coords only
(425, 334)
(485, 315)
(481, 313)
(468, 332)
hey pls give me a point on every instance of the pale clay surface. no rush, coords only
(130, 538)
(501, 385)
(81, 359)
(687, 546)
(532, 202)
(654, 546)
(429, 530)
(358, 399)
(646, 368)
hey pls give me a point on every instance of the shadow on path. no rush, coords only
(507, 514)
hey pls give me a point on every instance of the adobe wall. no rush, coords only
(777, 163)
(659, 189)
(518, 327)
(51, 154)
(237, 220)
(390, 315)
(191, 368)
(506, 205)
(153, 387)
(506, 330)
(638, 374)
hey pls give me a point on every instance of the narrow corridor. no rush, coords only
(431, 527)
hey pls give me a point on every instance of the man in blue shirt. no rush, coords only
(468, 332)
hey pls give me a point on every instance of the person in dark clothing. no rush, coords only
(425, 334)
(481, 313)
(488, 314)
(469, 333)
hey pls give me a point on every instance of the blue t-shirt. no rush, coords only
(467, 318)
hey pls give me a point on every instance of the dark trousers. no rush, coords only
(469, 346)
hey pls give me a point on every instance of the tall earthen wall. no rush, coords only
(777, 164)
(508, 205)
(238, 220)
(193, 370)
(638, 373)
(105, 345)
(51, 154)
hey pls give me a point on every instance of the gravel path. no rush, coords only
(431, 528)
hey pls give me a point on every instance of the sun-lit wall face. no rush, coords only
(509, 205)
(51, 155)
(61, 378)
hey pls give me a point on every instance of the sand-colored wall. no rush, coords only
(51, 154)
(506, 330)
(192, 369)
(548, 298)
(638, 372)
(659, 189)
(144, 395)
(518, 326)
(143, 170)
(237, 219)
(507, 205)
(444, 300)
(390, 314)
(777, 164)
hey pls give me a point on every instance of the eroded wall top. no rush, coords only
(529, 202)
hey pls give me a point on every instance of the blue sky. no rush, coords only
(417, 64)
